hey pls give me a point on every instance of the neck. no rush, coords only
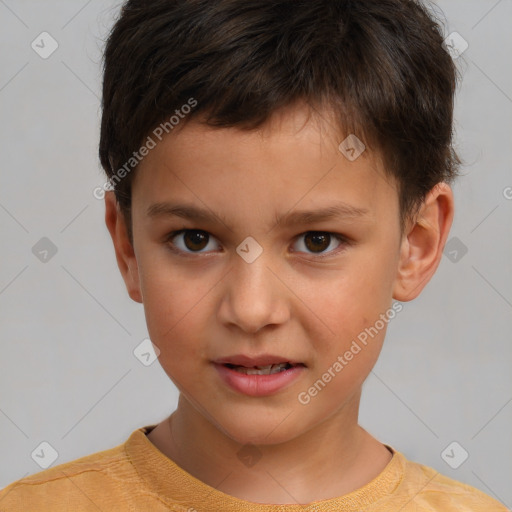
(338, 452)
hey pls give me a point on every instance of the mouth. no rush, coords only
(259, 380)
(262, 370)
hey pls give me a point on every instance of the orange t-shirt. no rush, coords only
(136, 476)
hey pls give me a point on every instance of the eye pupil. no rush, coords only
(195, 238)
(321, 238)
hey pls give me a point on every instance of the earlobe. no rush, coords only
(125, 254)
(423, 243)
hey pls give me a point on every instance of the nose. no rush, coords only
(253, 296)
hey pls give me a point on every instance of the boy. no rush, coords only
(281, 175)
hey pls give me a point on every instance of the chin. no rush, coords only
(259, 429)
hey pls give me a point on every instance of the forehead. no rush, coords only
(291, 162)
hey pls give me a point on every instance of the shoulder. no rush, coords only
(424, 489)
(80, 484)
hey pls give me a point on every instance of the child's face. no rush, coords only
(303, 298)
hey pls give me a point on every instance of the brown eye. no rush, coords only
(317, 241)
(190, 241)
(195, 240)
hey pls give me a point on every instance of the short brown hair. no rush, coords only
(380, 65)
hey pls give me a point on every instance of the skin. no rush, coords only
(289, 301)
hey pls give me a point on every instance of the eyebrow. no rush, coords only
(300, 217)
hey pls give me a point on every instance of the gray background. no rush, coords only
(68, 375)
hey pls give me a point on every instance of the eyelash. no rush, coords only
(344, 241)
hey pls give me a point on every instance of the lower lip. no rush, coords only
(258, 385)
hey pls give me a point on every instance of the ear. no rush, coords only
(423, 242)
(125, 254)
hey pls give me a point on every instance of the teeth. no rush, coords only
(263, 370)
(276, 368)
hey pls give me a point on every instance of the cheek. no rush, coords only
(174, 306)
(357, 309)
(356, 300)
(174, 321)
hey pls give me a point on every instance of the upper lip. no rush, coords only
(260, 360)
